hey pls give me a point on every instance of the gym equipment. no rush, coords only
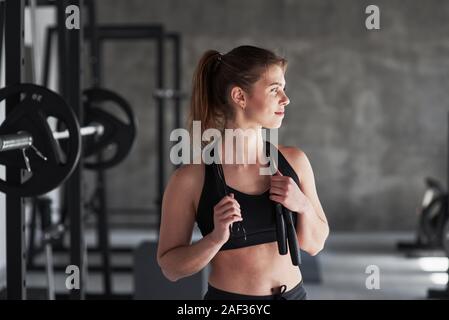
(285, 228)
(28, 119)
(2, 19)
(15, 215)
(292, 238)
(116, 132)
(69, 60)
(432, 216)
(27, 127)
(50, 233)
(118, 136)
(109, 131)
(442, 224)
(431, 233)
(281, 236)
(97, 36)
(433, 226)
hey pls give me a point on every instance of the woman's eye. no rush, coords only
(274, 90)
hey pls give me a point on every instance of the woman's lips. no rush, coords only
(280, 113)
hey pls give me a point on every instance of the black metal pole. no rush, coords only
(62, 47)
(47, 55)
(75, 208)
(177, 78)
(70, 74)
(160, 61)
(176, 39)
(103, 221)
(32, 237)
(94, 57)
(15, 215)
(2, 21)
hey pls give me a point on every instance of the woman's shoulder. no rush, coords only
(188, 180)
(188, 175)
(291, 151)
(295, 156)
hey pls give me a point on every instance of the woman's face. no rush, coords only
(265, 104)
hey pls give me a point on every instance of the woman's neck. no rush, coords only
(243, 146)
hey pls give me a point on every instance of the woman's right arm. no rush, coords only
(176, 256)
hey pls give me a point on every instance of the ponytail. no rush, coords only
(204, 105)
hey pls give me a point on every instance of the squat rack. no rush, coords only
(97, 35)
(70, 72)
(70, 68)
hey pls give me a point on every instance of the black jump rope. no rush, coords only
(285, 230)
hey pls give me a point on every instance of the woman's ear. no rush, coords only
(238, 97)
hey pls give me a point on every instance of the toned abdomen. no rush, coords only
(254, 270)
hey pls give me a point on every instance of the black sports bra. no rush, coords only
(258, 211)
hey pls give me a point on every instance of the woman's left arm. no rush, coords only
(312, 227)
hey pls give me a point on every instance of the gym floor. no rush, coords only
(343, 265)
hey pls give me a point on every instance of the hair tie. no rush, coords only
(218, 61)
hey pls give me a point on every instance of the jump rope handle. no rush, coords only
(292, 238)
(284, 224)
(280, 230)
(221, 183)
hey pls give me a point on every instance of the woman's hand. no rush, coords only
(285, 191)
(226, 212)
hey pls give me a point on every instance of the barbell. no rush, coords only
(27, 141)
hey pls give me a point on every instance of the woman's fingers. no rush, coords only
(225, 203)
(227, 207)
(277, 190)
(232, 219)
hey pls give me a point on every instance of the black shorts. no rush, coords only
(296, 293)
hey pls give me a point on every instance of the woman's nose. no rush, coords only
(285, 100)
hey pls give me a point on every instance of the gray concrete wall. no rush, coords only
(368, 107)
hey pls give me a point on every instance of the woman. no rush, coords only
(243, 89)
